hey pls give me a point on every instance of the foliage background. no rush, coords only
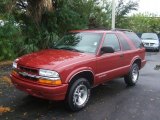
(31, 25)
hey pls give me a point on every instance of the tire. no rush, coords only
(132, 77)
(78, 95)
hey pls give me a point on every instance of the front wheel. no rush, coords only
(78, 94)
(132, 77)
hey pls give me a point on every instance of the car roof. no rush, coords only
(93, 31)
(103, 31)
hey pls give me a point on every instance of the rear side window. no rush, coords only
(112, 40)
(124, 43)
(136, 40)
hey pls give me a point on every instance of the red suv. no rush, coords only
(79, 61)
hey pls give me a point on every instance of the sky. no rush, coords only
(151, 6)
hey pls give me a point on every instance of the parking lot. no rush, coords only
(111, 101)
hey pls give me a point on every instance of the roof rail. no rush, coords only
(119, 29)
(97, 28)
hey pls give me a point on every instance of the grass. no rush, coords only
(5, 63)
(5, 68)
(4, 109)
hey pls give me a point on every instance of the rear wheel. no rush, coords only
(78, 94)
(132, 77)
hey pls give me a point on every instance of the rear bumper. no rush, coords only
(45, 92)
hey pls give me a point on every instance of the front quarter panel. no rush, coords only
(69, 71)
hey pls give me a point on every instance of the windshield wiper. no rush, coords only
(72, 49)
(68, 48)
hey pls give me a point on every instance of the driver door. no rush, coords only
(109, 64)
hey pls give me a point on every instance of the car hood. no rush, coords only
(50, 59)
(150, 41)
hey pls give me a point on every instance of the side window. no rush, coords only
(112, 40)
(124, 43)
(136, 40)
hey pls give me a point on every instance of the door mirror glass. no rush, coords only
(107, 49)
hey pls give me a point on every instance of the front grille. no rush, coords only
(28, 70)
(151, 44)
(24, 72)
(29, 78)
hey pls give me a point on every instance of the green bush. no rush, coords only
(10, 41)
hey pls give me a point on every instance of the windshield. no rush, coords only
(80, 42)
(149, 36)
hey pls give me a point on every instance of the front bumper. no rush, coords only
(41, 91)
(151, 48)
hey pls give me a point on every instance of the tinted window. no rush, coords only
(124, 43)
(136, 40)
(112, 40)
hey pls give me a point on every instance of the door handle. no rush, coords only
(121, 56)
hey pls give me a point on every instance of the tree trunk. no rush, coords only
(47, 4)
(37, 8)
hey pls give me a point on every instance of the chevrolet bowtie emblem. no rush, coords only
(27, 75)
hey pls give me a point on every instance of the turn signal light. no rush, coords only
(14, 72)
(50, 82)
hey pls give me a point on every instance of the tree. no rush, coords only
(41, 22)
(100, 16)
(122, 9)
(144, 23)
(101, 13)
(37, 8)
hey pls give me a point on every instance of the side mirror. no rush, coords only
(107, 49)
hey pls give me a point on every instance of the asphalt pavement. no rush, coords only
(111, 101)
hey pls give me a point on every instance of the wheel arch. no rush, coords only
(78, 74)
(138, 61)
(88, 74)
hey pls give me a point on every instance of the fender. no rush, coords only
(134, 59)
(77, 71)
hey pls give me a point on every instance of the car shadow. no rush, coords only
(30, 107)
(152, 51)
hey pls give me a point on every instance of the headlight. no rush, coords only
(48, 73)
(49, 77)
(156, 44)
(14, 65)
